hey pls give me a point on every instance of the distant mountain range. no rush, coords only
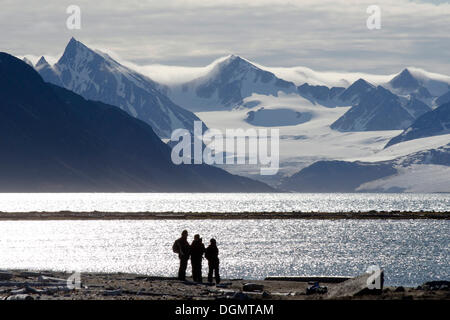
(388, 106)
(96, 76)
(420, 87)
(336, 96)
(336, 176)
(391, 105)
(226, 86)
(379, 109)
(54, 140)
(328, 97)
(357, 176)
(354, 108)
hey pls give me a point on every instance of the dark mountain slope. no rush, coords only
(433, 123)
(336, 176)
(54, 140)
(380, 109)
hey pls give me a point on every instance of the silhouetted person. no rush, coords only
(182, 247)
(212, 255)
(197, 251)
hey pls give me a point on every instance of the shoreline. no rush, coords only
(53, 285)
(101, 215)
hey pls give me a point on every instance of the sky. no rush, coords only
(325, 35)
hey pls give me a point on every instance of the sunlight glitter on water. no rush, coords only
(222, 202)
(410, 251)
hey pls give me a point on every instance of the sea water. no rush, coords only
(410, 251)
(223, 202)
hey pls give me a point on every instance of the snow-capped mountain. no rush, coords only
(336, 96)
(423, 171)
(435, 83)
(227, 85)
(438, 156)
(336, 176)
(321, 116)
(406, 85)
(417, 83)
(228, 80)
(405, 81)
(96, 76)
(322, 95)
(410, 80)
(48, 73)
(371, 110)
(433, 123)
(379, 109)
(354, 93)
(54, 140)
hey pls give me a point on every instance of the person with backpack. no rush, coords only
(182, 247)
(197, 251)
(212, 255)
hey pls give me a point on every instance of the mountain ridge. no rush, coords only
(360, 176)
(435, 122)
(227, 85)
(378, 108)
(55, 140)
(96, 76)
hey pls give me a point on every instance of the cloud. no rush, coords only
(170, 74)
(322, 35)
(173, 75)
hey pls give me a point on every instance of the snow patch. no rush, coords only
(415, 179)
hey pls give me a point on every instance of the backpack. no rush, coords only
(176, 247)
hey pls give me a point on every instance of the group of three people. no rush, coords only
(195, 252)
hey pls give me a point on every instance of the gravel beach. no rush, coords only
(49, 285)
